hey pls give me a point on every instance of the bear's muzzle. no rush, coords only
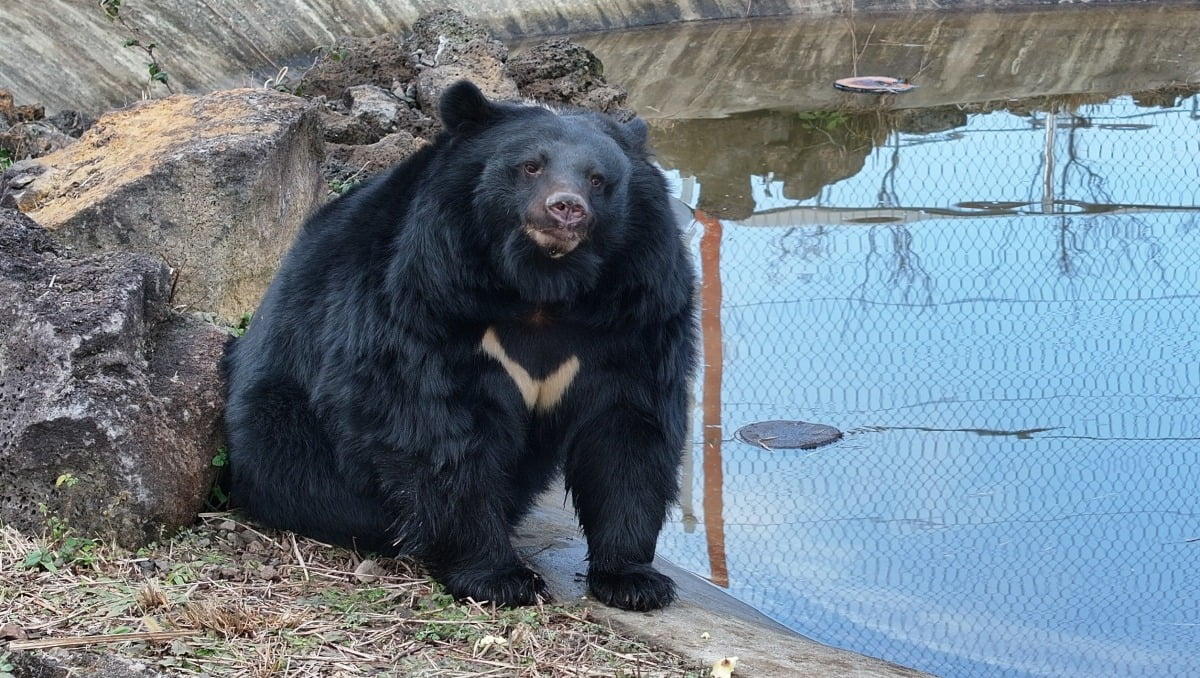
(561, 225)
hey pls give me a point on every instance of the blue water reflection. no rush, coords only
(1018, 493)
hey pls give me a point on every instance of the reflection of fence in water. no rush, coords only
(968, 326)
(950, 385)
(1129, 151)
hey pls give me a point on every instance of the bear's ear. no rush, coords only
(463, 108)
(638, 132)
(633, 136)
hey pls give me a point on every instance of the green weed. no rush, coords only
(154, 70)
(62, 548)
(239, 329)
(6, 665)
(340, 187)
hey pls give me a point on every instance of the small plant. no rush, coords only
(436, 601)
(218, 498)
(340, 186)
(42, 557)
(238, 330)
(66, 480)
(282, 82)
(6, 665)
(822, 120)
(72, 551)
(343, 186)
(182, 574)
(112, 10)
(62, 549)
(6, 161)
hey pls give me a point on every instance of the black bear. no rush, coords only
(513, 301)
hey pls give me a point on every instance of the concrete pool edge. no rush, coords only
(703, 626)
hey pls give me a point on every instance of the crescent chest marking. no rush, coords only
(540, 395)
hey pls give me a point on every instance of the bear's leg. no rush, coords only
(539, 468)
(283, 471)
(457, 508)
(622, 474)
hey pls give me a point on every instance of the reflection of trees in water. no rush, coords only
(805, 243)
(892, 271)
(1095, 185)
(1068, 248)
(809, 150)
(898, 270)
(1112, 248)
(1097, 245)
(887, 196)
(795, 156)
(804, 151)
(1191, 224)
(1092, 183)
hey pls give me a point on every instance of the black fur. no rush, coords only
(364, 410)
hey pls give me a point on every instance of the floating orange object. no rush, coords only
(874, 84)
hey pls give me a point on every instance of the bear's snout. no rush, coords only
(567, 209)
(561, 223)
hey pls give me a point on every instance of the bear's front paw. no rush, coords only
(507, 586)
(638, 587)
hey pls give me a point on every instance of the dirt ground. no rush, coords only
(228, 599)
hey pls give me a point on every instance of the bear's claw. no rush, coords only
(507, 587)
(640, 588)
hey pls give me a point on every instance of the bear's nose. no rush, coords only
(567, 209)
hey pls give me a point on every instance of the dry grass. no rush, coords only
(227, 599)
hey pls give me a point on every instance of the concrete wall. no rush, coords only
(705, 70)
(65, 53)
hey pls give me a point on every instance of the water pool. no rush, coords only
(998, 300)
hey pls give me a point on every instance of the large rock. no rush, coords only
(347, 164)
(62, 663)
(447, 46)
(11, 113)
(378, 97)
(381, 61)
(32, 139)
(216, 185)
(380, 113)
(562, 71)
(26, 132)
(109, 399)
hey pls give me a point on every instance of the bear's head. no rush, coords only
(551, 190)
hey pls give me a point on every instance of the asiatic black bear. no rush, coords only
(513, 301)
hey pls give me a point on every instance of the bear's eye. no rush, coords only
(531, 167)
(597, 181)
